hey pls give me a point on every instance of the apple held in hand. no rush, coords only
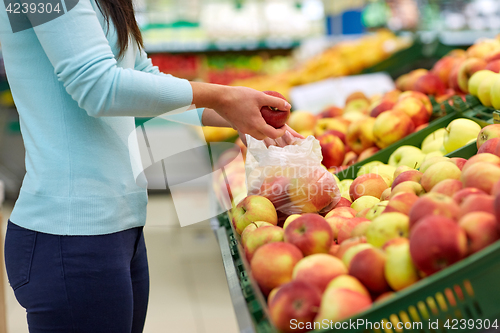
(318, 270)
(437, 242)
(252, 209)
(274, 117)
(272, 265)
(296, 302)
(390, 127)
(310, 233)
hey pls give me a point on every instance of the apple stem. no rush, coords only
(253, 222)
(273, 108)
(415, 167)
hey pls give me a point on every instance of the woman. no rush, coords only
(74, 248)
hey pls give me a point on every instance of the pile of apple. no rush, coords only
(332, 267)
(364, 125)
(451, 74)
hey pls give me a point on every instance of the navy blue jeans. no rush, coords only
(79, 284)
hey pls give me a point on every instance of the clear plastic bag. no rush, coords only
(292, 177)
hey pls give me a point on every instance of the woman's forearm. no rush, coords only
(212, 118)
(212, 96)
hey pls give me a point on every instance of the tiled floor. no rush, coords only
(189, 292)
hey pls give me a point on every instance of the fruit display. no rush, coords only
(460, 72)
(397, 223)
(364, 126)
(344, 58)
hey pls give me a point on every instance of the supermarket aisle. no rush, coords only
(189, 291)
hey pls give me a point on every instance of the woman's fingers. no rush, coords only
(271, 132)
(293, 132)
(275, 102)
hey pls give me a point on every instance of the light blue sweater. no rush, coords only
(76, 105)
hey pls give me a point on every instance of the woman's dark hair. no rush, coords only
(122, 14)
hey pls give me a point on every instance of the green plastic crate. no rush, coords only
(467, 290)
(414, 139)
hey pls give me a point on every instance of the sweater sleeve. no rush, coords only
(144, 64)
(83, 61)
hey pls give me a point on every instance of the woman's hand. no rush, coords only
(288, 138)
(240, 106)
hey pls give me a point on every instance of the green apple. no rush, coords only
(432, 146)
(364, 202)
(344, 187)
(252, 209)
(436, 135)
(484, 90)
(365, 169)
(477, 78)
(459, 132)
(386, 227)
(377, 210)
(495, 94)
(433, 154)
(403, 152)
(400, 272)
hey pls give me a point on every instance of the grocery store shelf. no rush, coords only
(235, 291)
(220, 46)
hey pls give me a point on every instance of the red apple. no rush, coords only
(482, 176)
(274, 117)
(295, 301)
(333, 150)
(338, 304)
(347, 244)
(442, 68)
(415, 109)
(331, 112)
(430, 84)
(390, 127)
(350, 158)
(433, 204)
(347, 212)
(260, 237)
(360, 135)
(464, 193)
(481, 229)
(490, 146)
(318, 270)
(347, 228)
(401, 203)
(481, 158)
(370, 184)
(493, 66)
(487, 133)
(367, 265)
(448, 187)
(356, 95)
(477, 203)
(458, 161)
(310, 233)
(437, 242)
(407, 176)
(272, 265)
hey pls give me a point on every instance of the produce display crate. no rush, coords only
(466, 292)
(414, 139)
